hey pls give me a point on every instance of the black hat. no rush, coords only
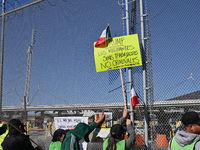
(117, 130)
(15, 122)
(190, 118)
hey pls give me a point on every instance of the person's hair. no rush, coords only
(111, 143)
(116, 132)
(57, 134)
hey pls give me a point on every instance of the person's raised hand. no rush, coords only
(101, 118)
(4, 122)
(72, 127)
(128, 121)
(125, 113)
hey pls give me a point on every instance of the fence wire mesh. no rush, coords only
(64, 81)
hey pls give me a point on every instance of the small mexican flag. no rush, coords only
(105, 35)
(134, 98)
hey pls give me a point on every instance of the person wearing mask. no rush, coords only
(115, 140)
(82, 130)
(190, 138)
(16, 140)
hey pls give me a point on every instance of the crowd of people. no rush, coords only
(14, 136)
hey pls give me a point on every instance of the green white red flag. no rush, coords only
(105, 35)
(134, 98)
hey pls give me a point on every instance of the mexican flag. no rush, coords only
(105, 35)
(134, 98)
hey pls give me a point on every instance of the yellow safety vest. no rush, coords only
(2, 137)
(175, 146)
(119, 145)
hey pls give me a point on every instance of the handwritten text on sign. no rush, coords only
(68, 122)
(121, 52)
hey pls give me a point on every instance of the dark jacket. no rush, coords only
(3, 129)
(72, 137)
(17, 141)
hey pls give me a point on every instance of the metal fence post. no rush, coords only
(144, 75)
(129, 69)
(2, 52)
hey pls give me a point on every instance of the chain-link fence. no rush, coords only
(47, 46)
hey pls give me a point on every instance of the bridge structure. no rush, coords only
(50, 111)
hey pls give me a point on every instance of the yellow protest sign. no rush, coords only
(121, 52)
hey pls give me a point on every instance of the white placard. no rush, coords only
(68, 122)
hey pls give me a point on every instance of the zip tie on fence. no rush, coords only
(20, 131)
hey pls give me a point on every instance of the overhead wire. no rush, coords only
(43, 89)
(18, 94)
(16, 83)
(8, 93)
(34, 96)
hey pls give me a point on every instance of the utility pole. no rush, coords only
(28, 71)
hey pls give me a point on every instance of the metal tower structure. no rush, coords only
(28, 71)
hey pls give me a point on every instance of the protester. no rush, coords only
(58, 138)
(82, 130)
(2, 136)
(190, 138)
(15, 140)
(115, 140)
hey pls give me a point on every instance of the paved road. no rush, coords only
(39, 138)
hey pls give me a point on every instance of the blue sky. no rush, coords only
(63, 62)
(175, 43)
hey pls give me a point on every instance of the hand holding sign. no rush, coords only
(125, 113)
